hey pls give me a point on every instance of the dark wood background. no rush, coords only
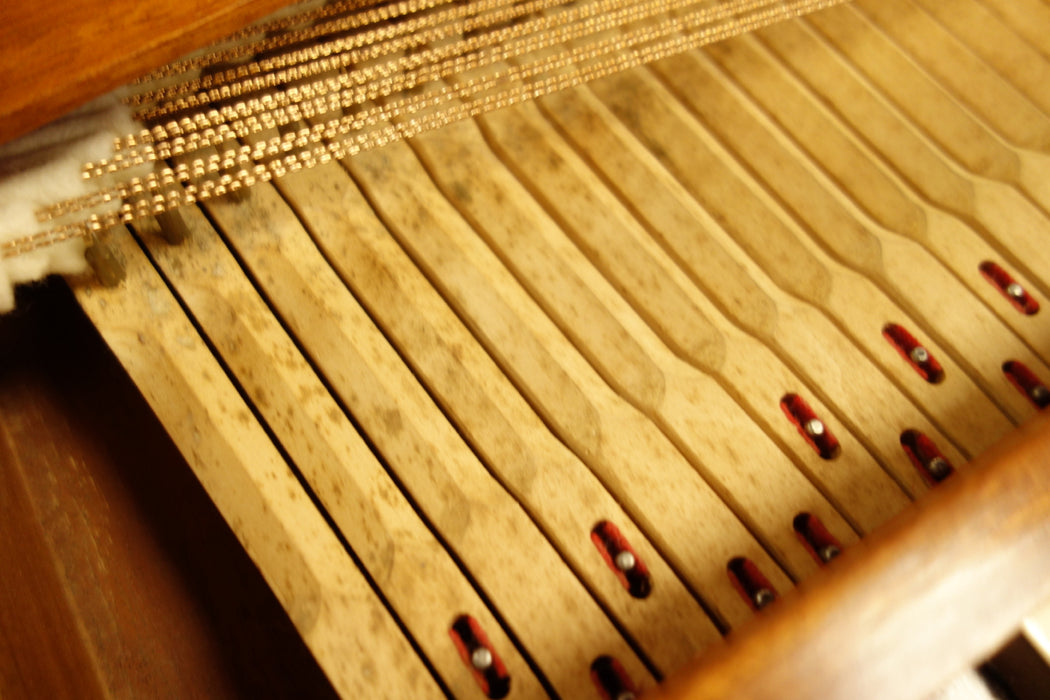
(57, 55)
(119, 577)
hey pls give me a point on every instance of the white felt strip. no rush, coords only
(44, 168)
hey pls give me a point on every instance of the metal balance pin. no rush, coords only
(919, 354)
(763, 597)
(481, 659)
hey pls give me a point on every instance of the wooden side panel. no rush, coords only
(119, 577)
(55, 56)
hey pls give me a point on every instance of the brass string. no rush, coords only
(405, 96)
(244, 45)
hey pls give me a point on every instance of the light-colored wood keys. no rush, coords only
(637, 463)
(923, 137)
(377, 521)
(795, 265)
(748, 471)
(730, 301)
(504, 551)
(916, 281)
(806, 271)
(1029, 18)
(476, 346)
(961, 71)
(869, 180)
(325, 595)
(988, 36)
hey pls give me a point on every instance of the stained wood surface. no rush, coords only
(456, 496)
(970, 562)
(56, 56)
(121, 580)
(557, 488)
(470, 347)
(271, 512)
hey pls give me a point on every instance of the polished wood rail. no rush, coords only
(940, 587)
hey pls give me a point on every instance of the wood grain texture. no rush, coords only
(629, 254)
(271, 512)
(590, 307)
(952, 156)
(120, 579)
(920, 286)
(556, 487)
(653, 481)
(968, 563)
(376, 520)
(870, 182)
(675, 393)
(55, 56)
(796, 264)
(479, 521)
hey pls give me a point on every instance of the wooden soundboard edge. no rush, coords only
(56, 56)
(939, 589)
